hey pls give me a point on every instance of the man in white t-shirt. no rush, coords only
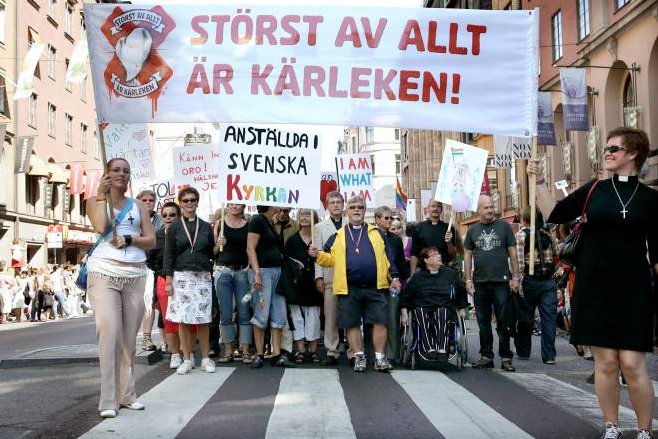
(57, 280)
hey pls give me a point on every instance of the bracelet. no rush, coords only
(469, 281)
(100, 199)
(128, 239)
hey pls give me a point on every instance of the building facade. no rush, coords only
(59, 120)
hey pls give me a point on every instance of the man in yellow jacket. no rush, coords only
(363, 267)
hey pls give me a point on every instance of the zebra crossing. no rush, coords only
(338, 403)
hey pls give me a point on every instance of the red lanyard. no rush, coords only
(196, 233)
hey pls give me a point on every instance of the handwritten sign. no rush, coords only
(263, 165)
(198, 166)
(133, 143)
(328, 183)
(460, 177)
(411, 67)
(355, 176)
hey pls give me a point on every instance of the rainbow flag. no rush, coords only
(400, 196)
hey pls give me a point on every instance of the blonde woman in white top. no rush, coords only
(116, 284)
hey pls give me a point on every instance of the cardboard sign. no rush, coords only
(131, 142)
(355, 177)
(263, 165)
(461, 174)
(198, 166)
(316, 64)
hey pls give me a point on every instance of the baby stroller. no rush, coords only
(433, 335)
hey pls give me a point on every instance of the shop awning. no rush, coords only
(38, 167)
(57, 174)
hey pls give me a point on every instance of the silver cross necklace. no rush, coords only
(623, 210)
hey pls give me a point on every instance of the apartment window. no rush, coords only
(52, 7)
(31, 193)
(33, 36)
(68, 130)
(32, 111)
(398, 163)
(2, 23)
(68, 23)
(370, 135)
(67, 84)
(83, 90)
(52, 61)
(621, 3)
(556, 31)
(397, 134)
(52, 119)
(83, 138)
(583, 18)
(4, 103)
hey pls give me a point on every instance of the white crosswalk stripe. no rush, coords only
(574, 400)
(169, 407)
(310, 403)
(454, 411)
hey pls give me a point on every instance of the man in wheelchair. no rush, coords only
(435, 294)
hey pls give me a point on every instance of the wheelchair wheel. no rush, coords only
(406, 341)
(413, 361)
(463, 342)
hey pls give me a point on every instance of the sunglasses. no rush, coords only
(147, 200)
(169, 215)
(387, 218)
(356, 207)
(613, 149)
(189, 200)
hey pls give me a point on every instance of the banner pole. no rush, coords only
(312, 227)
(108, 196)
(533, 209)
(221, 224)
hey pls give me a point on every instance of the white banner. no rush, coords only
(268, 166)
(198, 166)
(461, 175)
(131, 142)
(25, 82)
(77, 70)
(509, 149)
(355, 177)
(427, 68)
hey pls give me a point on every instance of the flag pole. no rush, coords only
(221, 224)
(533, 209)
(108, 196)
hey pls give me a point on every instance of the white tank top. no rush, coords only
(130, 225)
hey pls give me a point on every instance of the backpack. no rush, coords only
(543, 241)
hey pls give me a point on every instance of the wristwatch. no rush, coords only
(128, 239)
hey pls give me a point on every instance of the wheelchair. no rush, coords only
(412, 351)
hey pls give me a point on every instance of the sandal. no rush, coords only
(226, 358)
(315, 357)
(246, 358)
(299, 357)
(237, 355)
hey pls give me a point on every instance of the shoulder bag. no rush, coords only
(569, 251)
(81, 280)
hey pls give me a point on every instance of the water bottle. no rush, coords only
(394, 292)
(246, 298)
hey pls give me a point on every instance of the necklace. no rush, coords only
(189, 238)
(355, 241)
(623, 210)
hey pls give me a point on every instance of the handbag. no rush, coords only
(81, 280)
(292, 272)
(568, 252)
(516, 316)
(26, 295)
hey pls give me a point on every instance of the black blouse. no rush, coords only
(178, 253)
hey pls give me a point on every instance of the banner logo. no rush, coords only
(137, 70)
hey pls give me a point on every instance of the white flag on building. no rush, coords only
(77, 70)
(25, 83)
(509, 149)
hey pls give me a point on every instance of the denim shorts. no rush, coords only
(268, 305)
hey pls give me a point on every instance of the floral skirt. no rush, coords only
(191, 302)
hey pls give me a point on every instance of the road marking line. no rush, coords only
(310, 403)
(572, 399)
(454, 411)
(169, 407)
(655, 387)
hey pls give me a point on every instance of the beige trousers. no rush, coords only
(118, 310)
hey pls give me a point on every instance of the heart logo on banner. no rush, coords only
(133, 51)
(325, 188)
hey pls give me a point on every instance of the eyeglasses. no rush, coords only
(189, 200)
(356, 207)
(387, 218)
(147, 200)
(169, 215)
(613, 149)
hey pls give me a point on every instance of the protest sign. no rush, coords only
(198, 166)
(328, 183)
(165, 191)
(132, 143)
(355, 176)
(269, 166)
(460, 177)
(412, 67)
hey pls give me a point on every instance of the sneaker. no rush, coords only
(137, 405)
(551, 362)
(175, 361)
(612, 431)
(433, 355)
(507, 366)
(360, 363)
(184, 368)
(111, 413)
(208, 365)
(644, 434)
(257, 362)
(281, 360)
(484, 363)
(382, 365)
